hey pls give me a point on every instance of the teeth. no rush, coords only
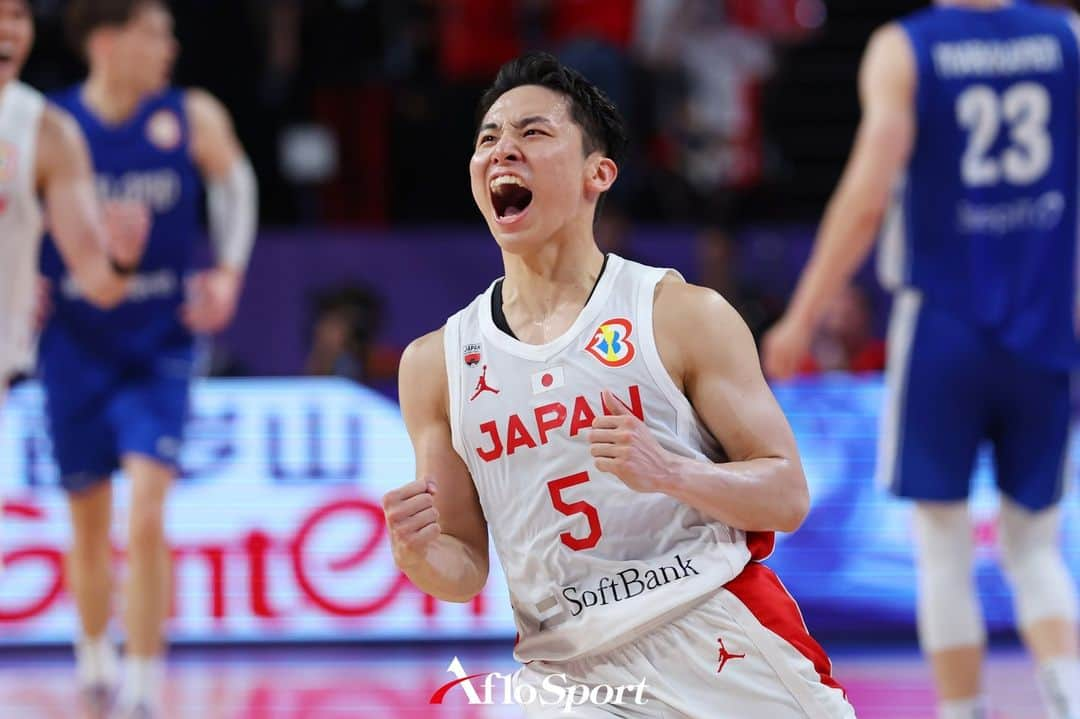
(506, 180)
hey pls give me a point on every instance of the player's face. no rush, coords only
(145, 48)
(16, 37)
(528, 170)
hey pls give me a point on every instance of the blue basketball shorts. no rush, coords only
(950, 388)
(94, 424)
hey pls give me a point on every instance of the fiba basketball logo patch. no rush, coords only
(472, 354)
(163, 130)
(611, 343)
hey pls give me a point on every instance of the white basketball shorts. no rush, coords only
(743, 653)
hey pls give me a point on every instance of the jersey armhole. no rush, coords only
(651, 353)
(451, 332)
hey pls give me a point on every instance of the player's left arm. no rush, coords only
(883, 145)
(232, 196)
(709, 352)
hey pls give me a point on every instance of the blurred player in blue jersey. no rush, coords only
(976, 101)
(117, 382)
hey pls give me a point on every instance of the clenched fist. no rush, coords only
(624, 446)
(210, 300)
(413, 521)
(784, 347)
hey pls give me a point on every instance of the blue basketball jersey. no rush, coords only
(146, 158)
(990, 202)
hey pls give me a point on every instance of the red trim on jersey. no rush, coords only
(760, 544)
(765, 596)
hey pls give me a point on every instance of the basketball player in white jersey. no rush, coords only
(609, 425)
(45, 175)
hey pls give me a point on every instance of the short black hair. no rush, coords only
(83, 17)
(602, 126)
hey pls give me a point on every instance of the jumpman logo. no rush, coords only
(482, 385)
(725, 655)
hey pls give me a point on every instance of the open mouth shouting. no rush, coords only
(7, 54)
(509, 197)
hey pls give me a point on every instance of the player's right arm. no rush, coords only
(437, 527)
(89, 240)
(883, 145)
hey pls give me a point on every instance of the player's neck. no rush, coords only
(555, 277)
(111, 101)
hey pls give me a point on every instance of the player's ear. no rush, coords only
(600, 173)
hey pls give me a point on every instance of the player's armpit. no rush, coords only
(441, 540)
(710, 352)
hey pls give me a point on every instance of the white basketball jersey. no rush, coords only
(590, 563)
(20, 220)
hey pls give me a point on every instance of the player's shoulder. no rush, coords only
(672, 291)
(696, 325)
(691, 308)
(61, 145)
(895, 42)
(422, 380)
(58, 128)
(423, 355)
(201, 105)
(889, 42)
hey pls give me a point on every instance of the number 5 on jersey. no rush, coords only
(555, 489)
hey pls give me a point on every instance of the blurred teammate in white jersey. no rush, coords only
(631, 538)
(45, 176)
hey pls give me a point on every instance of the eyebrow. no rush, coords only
(523, 122)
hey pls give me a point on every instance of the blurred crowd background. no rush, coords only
(359, 117)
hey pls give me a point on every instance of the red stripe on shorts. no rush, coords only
(768, 600)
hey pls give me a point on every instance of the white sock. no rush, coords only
(143, 681)
(96, 661)
(974, 708)
(1059, 683)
